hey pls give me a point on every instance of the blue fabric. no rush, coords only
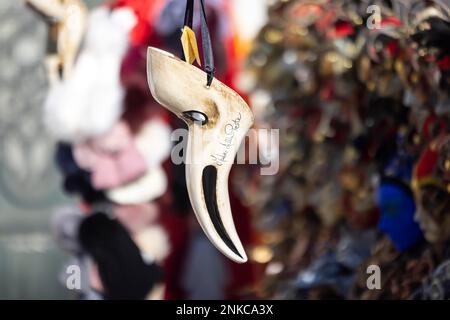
(397, 216)
(400, 167)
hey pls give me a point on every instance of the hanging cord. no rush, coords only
(189, 14)
(206, 38)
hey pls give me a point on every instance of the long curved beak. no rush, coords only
(218, 120)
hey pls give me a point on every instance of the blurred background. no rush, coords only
(30, 260)
(93, 207)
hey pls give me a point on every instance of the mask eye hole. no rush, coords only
(196, 117)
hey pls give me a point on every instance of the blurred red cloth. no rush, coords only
(145, 11)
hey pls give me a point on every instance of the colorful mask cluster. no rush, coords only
(359, 92)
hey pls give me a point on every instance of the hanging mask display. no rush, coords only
(108, 242)
(218, 119)
(76, 108)
(67, 22)
(431, 187)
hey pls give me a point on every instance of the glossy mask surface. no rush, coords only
(218, 120)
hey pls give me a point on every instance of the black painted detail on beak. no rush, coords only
(196, 116)
(209, 178)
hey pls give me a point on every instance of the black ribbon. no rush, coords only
(206, 38)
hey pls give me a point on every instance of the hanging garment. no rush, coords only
(153, 142)
(113, 158)
(122, 270)
(89, 102)
(76, 181)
